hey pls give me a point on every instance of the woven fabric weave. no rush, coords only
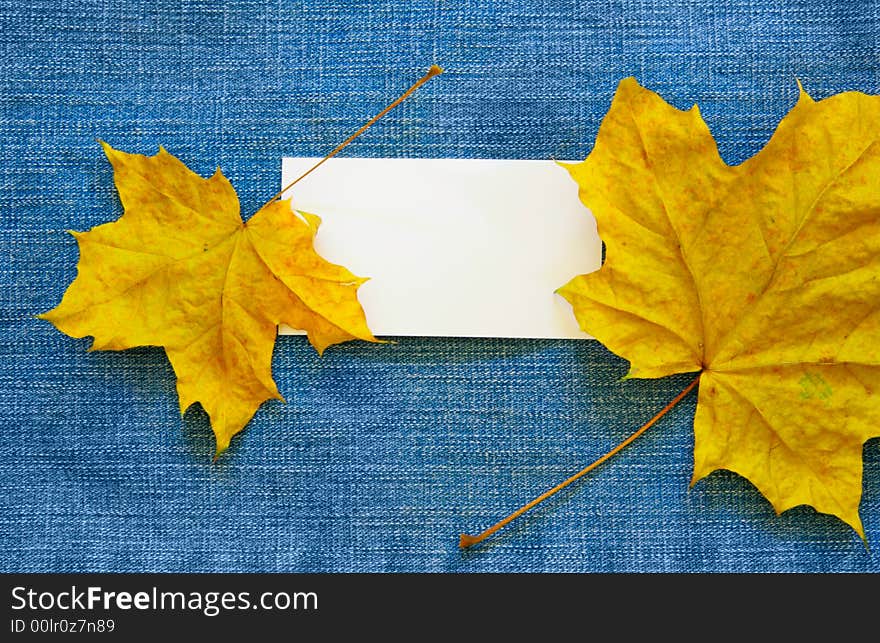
(383, 453)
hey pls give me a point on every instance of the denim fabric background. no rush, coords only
(383, 453)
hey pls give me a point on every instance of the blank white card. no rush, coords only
(453, 247)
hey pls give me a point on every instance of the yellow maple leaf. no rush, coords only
(181, 270)
(764, 278)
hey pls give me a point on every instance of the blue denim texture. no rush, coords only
(383, 453)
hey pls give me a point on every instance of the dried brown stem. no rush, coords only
(466, 540)
(433, 71)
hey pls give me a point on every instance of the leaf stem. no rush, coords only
(466, 540)
(433, 71)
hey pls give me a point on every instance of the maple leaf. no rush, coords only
(764, 277)
(181, 270)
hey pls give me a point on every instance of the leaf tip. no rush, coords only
(108, 149)
(313, 220)
(802, 93)
(856, 524)
(700, 471)
(220, 449)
